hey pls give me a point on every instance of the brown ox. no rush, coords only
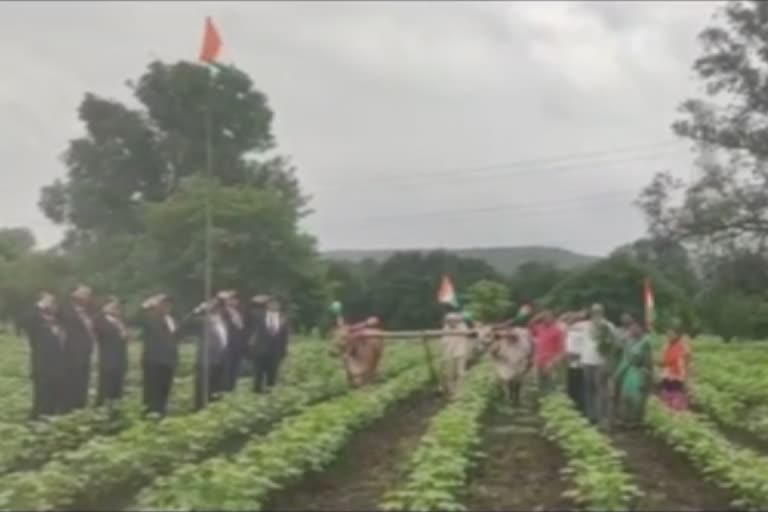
(360, 347)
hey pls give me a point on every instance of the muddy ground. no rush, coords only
(666, 478)
(368, 466)
(521, 468)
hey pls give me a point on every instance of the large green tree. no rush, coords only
(404, 286)
(533, 280)
(16, 243)
(402, 289)
(132, 156)
(617, 283)
(667, 256)
(726, 206)
(22, 279)
(489, 301)
(133, 197)
(255, 241)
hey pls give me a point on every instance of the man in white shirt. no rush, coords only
(269, 343)
(455, 351)
(574, 345)
(213, 345)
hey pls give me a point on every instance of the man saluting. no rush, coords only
(46, 341)
(161, 352)
(269, 344)
(80, 337)
(237, 337)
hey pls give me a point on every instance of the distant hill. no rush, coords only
(504, 259)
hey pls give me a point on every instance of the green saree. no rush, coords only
(632, 378)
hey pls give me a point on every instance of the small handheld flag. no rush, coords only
(523, 312)
(211, 42)
(648, 304)
(446, 293)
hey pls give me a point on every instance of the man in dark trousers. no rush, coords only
(112, 338)
(269, 344)
(161, 353)
(237, 338)
(46, 341)
(77, 321)
(215, 348)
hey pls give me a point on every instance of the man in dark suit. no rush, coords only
(76, 319)
(237, 338)
(46, 341)
(269, 344)
(112, 339)
(213, 344)
(161, 353)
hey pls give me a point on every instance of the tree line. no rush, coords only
(131, 204)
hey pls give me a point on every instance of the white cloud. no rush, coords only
(368, 92)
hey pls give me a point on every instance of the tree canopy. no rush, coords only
(617, 284)
(132, 156)
(727, 205)
(133, 196)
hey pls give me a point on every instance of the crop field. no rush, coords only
(314, 444)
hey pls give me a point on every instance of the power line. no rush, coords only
(514, 164)
(610, 200)
(418, 180)
(579, 200)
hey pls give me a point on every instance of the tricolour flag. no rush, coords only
(648, 304)
(211, 42)
(524, 312)
(446, 294)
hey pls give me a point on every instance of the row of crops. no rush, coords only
(393, 446)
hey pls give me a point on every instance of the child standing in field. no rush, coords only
(675, 370)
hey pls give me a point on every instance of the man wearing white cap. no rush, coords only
(269, 345)
(213, 345)
(80, 338)
(237, 337)
(456, 345)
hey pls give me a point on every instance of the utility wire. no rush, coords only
(565, 167)
(517, 210)
(511, 165)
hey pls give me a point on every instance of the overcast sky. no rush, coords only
(411, 124)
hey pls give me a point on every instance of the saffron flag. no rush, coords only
(648, 304)
(446, 294)
(211, 42)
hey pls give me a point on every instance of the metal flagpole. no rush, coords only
(208, 228)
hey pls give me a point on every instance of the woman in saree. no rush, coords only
(634, 375)
(676, 365)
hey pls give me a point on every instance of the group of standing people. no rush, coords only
(64, 335)
(608, 371)
(612, 370)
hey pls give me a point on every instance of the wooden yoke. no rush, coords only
(412, 335)
(424, 336)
